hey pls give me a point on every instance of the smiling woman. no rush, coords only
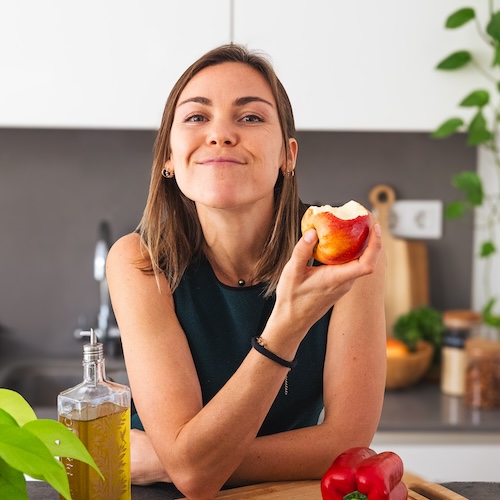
(216, 267)
(225, 129)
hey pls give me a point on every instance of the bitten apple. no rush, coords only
(342, 231)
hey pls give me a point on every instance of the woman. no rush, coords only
(217, 261)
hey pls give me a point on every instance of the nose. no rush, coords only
(222, 133)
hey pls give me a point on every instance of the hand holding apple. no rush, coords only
(342, 231)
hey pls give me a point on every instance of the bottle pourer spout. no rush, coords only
(94, 350)
(92, 335)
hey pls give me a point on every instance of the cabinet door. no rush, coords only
(100, 64)
(359, 64)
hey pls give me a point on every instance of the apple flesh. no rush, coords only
(342, 231)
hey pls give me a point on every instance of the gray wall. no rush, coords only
(57, 185)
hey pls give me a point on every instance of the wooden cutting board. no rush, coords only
(418, 489)
(407, 273)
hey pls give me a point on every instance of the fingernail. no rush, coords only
(310, 235)
(377, 229)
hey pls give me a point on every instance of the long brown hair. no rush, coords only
(170, 228)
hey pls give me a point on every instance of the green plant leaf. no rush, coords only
(493, 27)
(455, 61)
(12, 482)
(454, 210)
(478, 136)
(477, 98)
(478, 130)
(460, 17)
(496, 57)
(58, 480)
(7, 418)
(25, 452)
(448, 128)
(470, 183)
(60, 441)
(421, 323)
(487, 248)
(488, 316)
(14, 404)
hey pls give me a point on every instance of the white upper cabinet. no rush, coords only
(346, 64)
(100, 63)
(362, 64)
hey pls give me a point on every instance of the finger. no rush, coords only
(303, 250)
(370, 255)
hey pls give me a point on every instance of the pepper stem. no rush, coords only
(355, 495)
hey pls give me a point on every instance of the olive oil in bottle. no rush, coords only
(98, 412)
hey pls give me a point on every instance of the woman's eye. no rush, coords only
(195, 118)
(252, 118)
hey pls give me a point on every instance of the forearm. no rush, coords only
(211, 445)
(296, 455)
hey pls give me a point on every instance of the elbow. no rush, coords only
(196, 485)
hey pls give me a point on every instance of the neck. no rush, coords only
(234, 245)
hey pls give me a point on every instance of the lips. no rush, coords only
(221, 161)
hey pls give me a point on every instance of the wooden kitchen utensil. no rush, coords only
(407, 273)
(427, 490)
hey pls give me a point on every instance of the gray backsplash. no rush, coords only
(56, 186)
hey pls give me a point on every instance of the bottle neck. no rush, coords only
(94, 372)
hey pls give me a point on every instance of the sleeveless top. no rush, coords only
(219, 322)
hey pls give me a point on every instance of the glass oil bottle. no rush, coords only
(98, 412)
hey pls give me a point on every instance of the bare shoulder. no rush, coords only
(126, 250)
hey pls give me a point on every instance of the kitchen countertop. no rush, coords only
(43, 491)
(423, 408)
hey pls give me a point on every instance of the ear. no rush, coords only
(289, 166)
(294, 150)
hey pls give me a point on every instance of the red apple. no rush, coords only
(342, 231)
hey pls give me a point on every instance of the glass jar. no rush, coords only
(482, 381)
(460, 325)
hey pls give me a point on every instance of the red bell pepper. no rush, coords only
(340, 479)
(360, 473)
(377, 476)
(400, 492)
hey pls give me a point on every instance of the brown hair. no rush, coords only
(170, 228)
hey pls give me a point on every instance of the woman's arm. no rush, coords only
(201, 447)
(354, 381)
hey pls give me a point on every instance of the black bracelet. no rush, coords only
(258, 345)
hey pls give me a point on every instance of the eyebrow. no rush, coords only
(241, 101)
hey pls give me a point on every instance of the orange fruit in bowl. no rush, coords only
(396, 348)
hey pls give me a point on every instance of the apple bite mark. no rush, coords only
(342, 231)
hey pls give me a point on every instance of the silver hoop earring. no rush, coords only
(167, 174)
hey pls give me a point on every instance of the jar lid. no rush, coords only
(461, 318)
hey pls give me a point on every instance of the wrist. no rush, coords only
(260, 345)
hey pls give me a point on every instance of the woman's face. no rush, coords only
(226, 142)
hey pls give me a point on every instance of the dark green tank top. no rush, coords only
(219, 322)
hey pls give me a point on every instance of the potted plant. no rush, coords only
(31, 446)
(480, 195)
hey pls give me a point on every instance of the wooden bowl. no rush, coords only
(404, 371)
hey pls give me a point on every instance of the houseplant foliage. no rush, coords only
(482, 131)
(420, 323)
(31, 446)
